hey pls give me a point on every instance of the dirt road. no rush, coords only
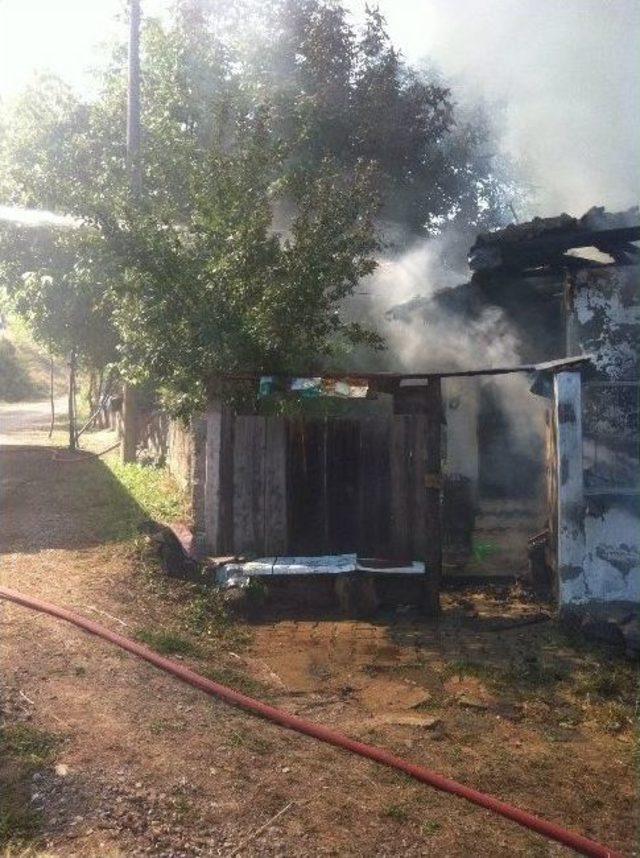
(20, 418)
(141, 765)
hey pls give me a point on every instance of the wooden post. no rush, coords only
(432, 553)
(133, 100)
(128, 447)
(218, 487)
(421, 493)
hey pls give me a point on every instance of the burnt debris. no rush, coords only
(546, 244)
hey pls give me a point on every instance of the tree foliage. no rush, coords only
(346, 93)
(278, 143)
(58, 281)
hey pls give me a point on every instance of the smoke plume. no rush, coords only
(562, 82)
(566, 74)
(424, 335)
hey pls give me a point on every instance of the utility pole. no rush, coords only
(128, 449)
(133, 100)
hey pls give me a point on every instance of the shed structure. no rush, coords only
(368, 484)
(586, 302)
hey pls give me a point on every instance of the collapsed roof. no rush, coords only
(547, 243)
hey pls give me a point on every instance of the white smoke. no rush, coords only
(566, 73)
(564, 82)
(422, 335)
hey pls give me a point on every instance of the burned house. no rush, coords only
(569, 286)
(398, 479)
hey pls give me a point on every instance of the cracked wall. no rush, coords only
(604, 320)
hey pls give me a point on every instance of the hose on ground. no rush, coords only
(573, 840)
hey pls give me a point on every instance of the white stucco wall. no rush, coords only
(612, 559)
(605, 322)
(572, 588)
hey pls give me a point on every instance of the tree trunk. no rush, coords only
(72, 400)
(53, 406)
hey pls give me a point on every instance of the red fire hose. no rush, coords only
(554, 832)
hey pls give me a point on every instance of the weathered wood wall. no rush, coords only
(338, 486)
(316, 486)
(551, 468)
(258, 486)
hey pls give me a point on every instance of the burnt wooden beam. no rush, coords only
(498, 254)
(622, 253)
(397, 377)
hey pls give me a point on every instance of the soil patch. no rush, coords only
(151, 767)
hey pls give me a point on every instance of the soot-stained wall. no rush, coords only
(603, 320)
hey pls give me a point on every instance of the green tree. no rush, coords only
(335, 91)
(201, 281)
(58, 282)
(225, 292)
(273, 153)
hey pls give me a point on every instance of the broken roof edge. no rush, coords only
(546, 366)
(545, 242)
(596, 221)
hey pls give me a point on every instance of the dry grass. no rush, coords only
(24, 750)
(35, 852)
(25, 367)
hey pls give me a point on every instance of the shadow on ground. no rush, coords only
(48, 500)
